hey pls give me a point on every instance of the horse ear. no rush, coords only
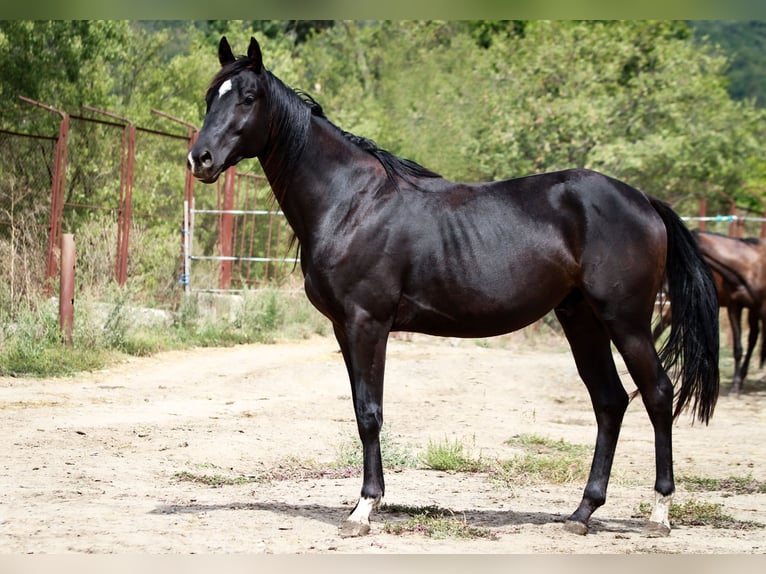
(254, 53)
(225, 55)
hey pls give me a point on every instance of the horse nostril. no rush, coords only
(206, 159)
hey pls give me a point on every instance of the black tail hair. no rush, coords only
(691, 350)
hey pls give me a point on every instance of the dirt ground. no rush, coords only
(92, 464)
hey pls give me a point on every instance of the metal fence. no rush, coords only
(253, 239)
(233, 236)
(98, 162)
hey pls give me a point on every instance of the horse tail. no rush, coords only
(691, 350)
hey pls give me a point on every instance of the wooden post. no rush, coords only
(703, 213)
(66, 287)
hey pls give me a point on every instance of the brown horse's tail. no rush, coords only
(691, 350)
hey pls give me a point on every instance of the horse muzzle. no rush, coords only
(202, 166)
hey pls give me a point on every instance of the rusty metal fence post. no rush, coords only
(57, 189)
(188, 202)
(66, 287)
(125, 202)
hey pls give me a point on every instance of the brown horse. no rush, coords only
(727, 300)
(388, 245)
(739, 268)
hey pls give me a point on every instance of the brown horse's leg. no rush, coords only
(754, 321)
(364, 352)
(735, 320)
(595, 364)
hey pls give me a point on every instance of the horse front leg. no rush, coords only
(364, 352)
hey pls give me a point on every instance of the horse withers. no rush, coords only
(387, 245)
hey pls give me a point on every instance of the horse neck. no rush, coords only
(306, 184)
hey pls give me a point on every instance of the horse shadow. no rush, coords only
(334, 515)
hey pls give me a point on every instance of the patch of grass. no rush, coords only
(697, 513)
(213, 480)
(544, 461)
(433, 522)
(296, 469)
(24, 358)
(291, 468)
(450, 456)
(730, 485)
(395, 456)
(112, 324)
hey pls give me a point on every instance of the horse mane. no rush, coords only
(395, 166)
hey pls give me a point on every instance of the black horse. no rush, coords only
(387, 245)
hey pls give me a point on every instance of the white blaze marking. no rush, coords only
(661, 512)
(225, 87)
(363, 509)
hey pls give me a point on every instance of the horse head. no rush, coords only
(236, 120)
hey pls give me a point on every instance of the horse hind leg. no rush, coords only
(637, 350)
(735, 321)
(591, 348)
(754, 320)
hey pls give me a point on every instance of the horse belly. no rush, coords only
(474, 311)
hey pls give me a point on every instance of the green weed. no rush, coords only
(109, 327)
(393, 454)
(697, 513)
(213, 480)
(730, 485)
(433, 522)
(450, 456)
(544, 460)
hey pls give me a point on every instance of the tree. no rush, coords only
(638, 100)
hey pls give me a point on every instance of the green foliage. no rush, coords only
(698, 513)
(32, 345)
(544, 460)
(451, 456)
(744, 44)
(730, 485)
(111, 325)
(393, 454)
(637, 99)
(433, 522)
(646, 101)
(213, 480)
(63, 63)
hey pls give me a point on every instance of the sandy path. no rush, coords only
(90, 463)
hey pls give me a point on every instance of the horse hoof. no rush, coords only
(576, 527)
(656, 530)
(351, 529)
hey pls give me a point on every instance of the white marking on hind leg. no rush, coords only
(358, 522)
(659, 522)
(661, 512)
(363, 509)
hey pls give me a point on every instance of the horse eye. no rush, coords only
(249, 100)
